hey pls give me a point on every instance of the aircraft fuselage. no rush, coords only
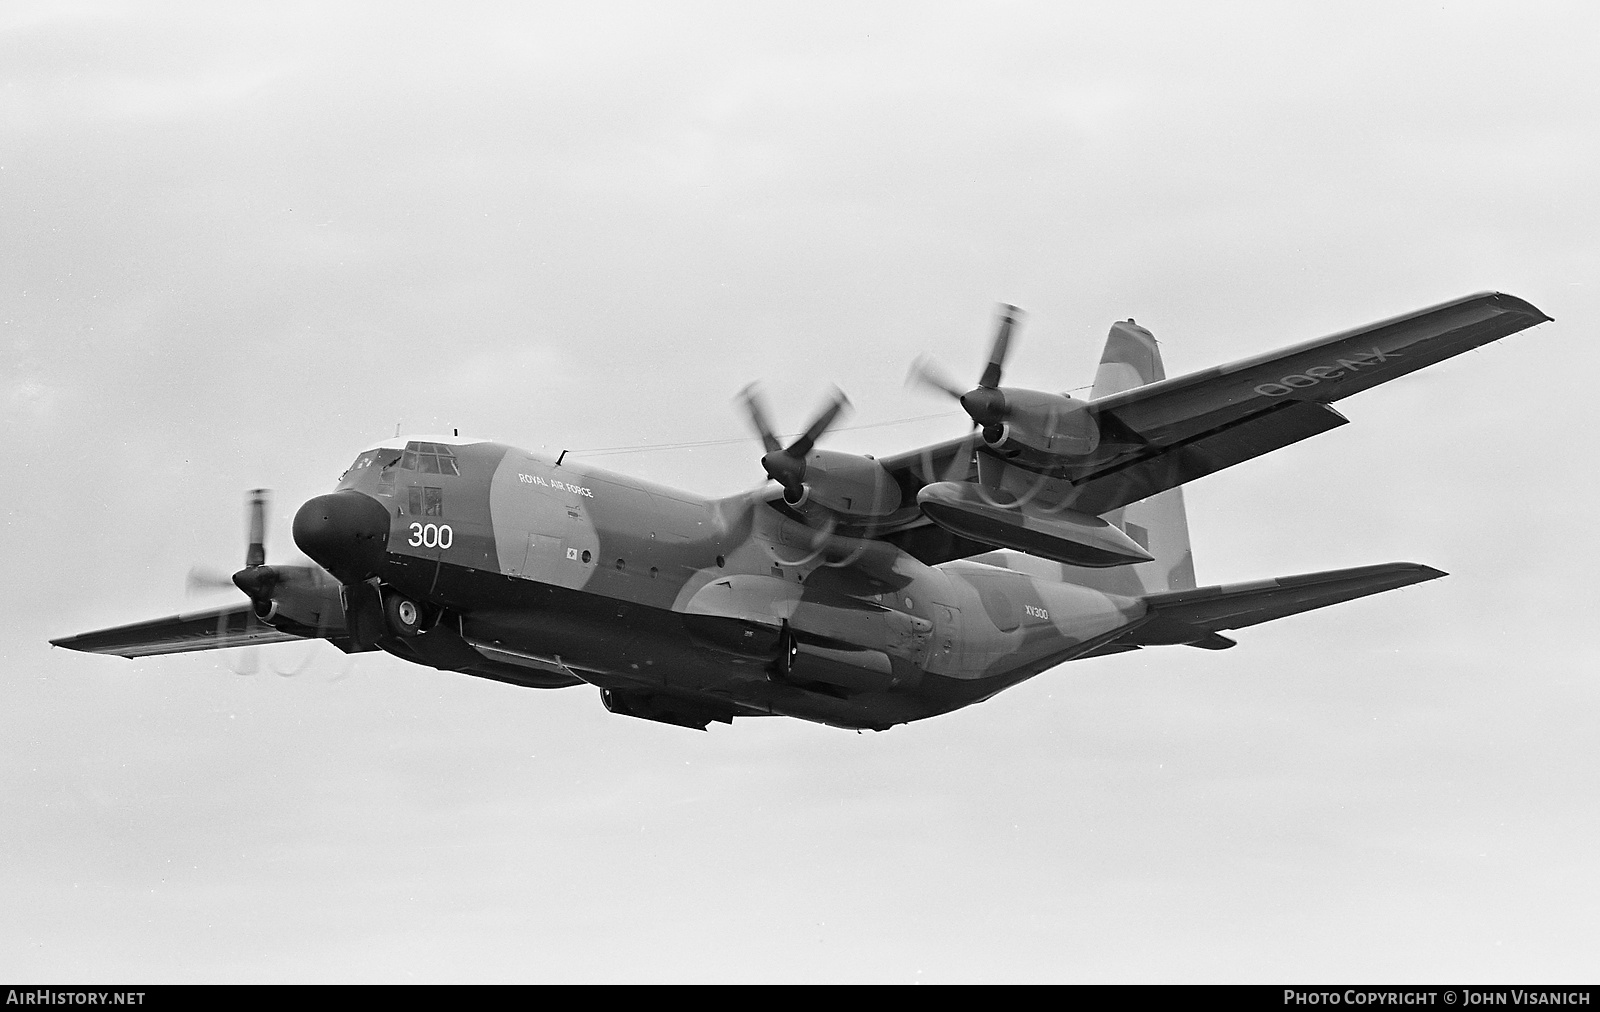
(527, 570)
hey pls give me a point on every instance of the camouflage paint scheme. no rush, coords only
(680, 608)
(585, 575)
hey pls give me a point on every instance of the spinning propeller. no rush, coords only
(1015, 421)
(787, 465)
(294, 597)
(986, 403)
(257, 579)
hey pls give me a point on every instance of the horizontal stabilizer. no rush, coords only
(1197, 616)
(215, 629)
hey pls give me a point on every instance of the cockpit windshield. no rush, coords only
(429, 458)
(418, 457)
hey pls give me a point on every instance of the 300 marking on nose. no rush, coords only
(431, 536)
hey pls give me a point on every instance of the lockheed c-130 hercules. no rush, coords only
(856, 591)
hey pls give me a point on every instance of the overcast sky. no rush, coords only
(238, 244)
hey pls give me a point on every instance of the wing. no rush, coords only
(216, 629)
(1163, 434)
(1166, 433)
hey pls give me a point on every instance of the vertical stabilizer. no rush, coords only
(1159, 524)
(1131, 359)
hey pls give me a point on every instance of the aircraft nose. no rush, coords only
(347, 533)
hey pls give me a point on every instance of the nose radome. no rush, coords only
(347, 533)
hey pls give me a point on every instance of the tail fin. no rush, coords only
(1131, 359)
(1159, 524)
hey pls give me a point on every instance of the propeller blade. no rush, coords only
(821, 537)
(1002, 345)
(249, 659)
(306, 660)
(802, 446)
(926, 373)
(256, 554)
(756, 409)
(961, 462)
(202, 579)
(258, 580)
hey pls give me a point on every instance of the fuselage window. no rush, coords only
(432, 502)
(414, 501)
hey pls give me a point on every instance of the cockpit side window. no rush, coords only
(361, 463)
(425, 501)
(359, 469)
(386, 476)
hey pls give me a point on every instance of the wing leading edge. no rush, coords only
(215, 629)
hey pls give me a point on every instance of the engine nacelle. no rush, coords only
(849, 484)
(1041, 425)
(298, 599)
